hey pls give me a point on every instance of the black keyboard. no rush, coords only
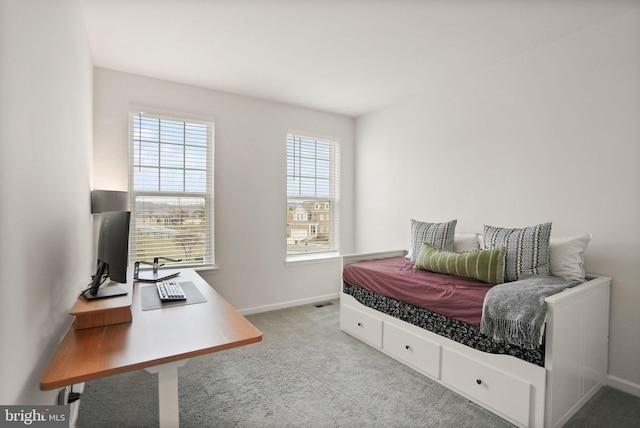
(169, 289)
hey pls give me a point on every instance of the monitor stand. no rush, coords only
(146, 276)
(108, 291)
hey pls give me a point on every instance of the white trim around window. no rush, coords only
(171, 189)
(313, 197)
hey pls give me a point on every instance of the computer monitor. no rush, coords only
(113, 253)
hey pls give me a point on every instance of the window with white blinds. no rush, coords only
(171, 189)
(313, 195)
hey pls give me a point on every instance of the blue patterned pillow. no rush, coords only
(438, 235)
(527, 250)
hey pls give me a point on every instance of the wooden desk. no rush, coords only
(159, 341)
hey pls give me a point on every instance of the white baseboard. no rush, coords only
(288, 304)
(624, 385)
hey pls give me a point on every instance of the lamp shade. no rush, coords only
(108, 200)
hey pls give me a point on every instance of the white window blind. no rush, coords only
(313, 195)
(171, 189)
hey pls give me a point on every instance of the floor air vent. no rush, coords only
(322, 305)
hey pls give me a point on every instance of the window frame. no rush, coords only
(332, 201)
(208, 195)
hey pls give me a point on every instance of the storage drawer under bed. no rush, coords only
(361, 325)
(418, 352)
(504, 393)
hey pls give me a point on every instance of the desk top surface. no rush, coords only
(154, 337)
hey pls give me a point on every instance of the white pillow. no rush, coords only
(465, 242)
(565, 254)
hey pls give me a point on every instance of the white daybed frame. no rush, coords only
(523, 393)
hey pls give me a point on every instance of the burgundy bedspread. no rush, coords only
(396, 277)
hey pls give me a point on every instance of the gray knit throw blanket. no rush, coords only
(515, 311)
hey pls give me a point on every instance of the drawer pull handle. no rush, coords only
(479, 381)
(359, 324)
(407, 347)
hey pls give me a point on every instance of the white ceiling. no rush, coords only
(349, 57)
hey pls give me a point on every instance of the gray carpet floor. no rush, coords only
(306, 372)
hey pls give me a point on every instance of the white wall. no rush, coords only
(250, 183)
(549, 135)
(45, 224)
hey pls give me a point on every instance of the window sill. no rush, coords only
(204, 268)
(312, 258)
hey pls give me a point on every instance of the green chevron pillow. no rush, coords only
(483, 265)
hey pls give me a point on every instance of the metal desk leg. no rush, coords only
(169, 407)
